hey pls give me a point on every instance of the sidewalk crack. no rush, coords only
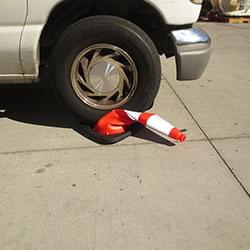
(207, 137)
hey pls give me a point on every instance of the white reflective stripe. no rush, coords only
(160, 125)
(133, 115)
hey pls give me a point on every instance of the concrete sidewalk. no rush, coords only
(58, 190)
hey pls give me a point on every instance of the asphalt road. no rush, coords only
(58, 190)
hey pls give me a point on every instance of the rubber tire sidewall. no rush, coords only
(110, 30)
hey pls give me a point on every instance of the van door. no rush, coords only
(12, 18)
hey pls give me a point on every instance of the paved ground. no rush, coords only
(60, 191)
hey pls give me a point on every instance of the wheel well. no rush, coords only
(70, 11)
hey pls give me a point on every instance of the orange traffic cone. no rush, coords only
(118, 121)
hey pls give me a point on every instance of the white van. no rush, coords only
(100, 54)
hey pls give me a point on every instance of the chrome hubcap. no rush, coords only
(104, 76)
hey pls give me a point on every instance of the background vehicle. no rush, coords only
(101, 54)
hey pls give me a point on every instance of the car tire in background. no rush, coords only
(104, 62)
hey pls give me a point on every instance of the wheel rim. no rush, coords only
(104, 76)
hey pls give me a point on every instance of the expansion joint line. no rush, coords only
(207, 137)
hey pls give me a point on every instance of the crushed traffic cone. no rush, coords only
(119, 120)
(114, 123)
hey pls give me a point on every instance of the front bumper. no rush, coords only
(192, 52)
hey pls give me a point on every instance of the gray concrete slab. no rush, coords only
(60, 191)
(122, 197)
(236, 153)
(220, 99)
